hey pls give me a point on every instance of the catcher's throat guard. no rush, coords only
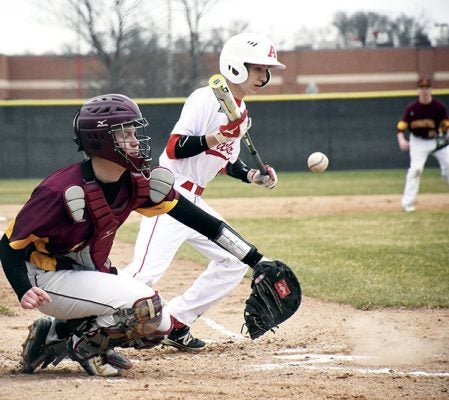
(275, 297)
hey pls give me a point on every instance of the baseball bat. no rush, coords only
(227, 102)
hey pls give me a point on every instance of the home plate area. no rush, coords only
(321, 360)
(343, 363)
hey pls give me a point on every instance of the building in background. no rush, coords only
(308, 71)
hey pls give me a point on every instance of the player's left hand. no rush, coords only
(269, 180)
(275, 296)
(442, 141)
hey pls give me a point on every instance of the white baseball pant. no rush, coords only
(158, 241)
(420, 149)
(81, 294)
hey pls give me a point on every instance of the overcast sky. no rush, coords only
(22, 31)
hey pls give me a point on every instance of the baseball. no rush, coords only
(317, 162)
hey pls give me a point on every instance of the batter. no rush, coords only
(202, 145)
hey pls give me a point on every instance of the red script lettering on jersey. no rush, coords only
(223, 150)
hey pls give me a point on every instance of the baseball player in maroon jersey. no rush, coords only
(427, 121)
(55, 253)
(203, 143)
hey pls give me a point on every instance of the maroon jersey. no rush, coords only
(46, 229)
(424, 120)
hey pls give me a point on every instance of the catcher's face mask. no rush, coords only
(112, 127)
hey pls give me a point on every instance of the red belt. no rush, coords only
(190, 186)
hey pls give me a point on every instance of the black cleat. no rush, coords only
(183, 340)
(33, 353)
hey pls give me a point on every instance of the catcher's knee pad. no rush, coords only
(143, 326)
(147, 316)
(144, 319)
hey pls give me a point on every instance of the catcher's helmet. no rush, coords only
(100, 121)
(250, 48)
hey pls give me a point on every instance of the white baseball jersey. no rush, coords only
(160, 238)
(201, 115)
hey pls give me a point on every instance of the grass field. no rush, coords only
(367, 260)
(291, 184)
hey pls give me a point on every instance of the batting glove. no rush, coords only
(235, 129)
(269, 180)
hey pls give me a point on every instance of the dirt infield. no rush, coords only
(325, 351)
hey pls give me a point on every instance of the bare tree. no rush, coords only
(218, 36)
(409, 31)
(194, 12)
(117, 32)
(365, 28)
(359, 28)
(342, 23)
(138, 54)
(146, 72)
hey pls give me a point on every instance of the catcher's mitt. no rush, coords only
(275, 296)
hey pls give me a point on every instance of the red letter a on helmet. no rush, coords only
(272, 52)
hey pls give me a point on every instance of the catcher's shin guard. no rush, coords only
(141, 326)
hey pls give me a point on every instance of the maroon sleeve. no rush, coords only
(406, 114)
(443, 119)
(41, 216)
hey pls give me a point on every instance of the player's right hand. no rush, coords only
(404, 145)
(235, 129)
(34, 298)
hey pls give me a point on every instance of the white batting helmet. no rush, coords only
(249, 48)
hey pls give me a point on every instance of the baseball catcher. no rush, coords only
(275, 297)
(55, 252)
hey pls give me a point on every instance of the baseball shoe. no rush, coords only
(109, 363)
(409, 208)
(183, 340)
(35, 352)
